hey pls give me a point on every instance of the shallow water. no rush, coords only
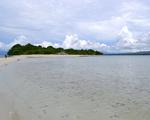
(78, 88)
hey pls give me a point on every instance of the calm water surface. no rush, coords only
(80, 88)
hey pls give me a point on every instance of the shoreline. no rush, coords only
(5, 61)
(9, 104)
(53, 87)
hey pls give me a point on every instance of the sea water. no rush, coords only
(79, 88)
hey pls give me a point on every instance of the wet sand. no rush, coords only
(7, 97)
(5, 61)
(28, 94)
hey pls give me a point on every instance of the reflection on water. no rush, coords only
(80, 88)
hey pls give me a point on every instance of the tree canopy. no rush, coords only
(29, 49)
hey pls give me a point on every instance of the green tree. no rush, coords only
(31, 49)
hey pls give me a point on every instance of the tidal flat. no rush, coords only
(75, 88)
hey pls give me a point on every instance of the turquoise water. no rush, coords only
(83, 88)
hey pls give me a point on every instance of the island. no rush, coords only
(30, 49)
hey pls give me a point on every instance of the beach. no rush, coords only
(5, 61)
(56, 87)
(7, 107)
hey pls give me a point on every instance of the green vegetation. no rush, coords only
(31, 49)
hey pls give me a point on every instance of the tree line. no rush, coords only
(29, 49)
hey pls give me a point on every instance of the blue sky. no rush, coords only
(106, 25)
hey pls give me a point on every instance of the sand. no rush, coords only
(46, 97)
(5, 61)
(7, 107)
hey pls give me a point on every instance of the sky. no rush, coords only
(104, 25)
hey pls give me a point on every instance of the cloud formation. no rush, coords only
(110, 25)
(73, 41)
(19, 40)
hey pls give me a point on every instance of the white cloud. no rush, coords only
(2, 46)
(70, 41)
(106, 29)
(127, 41)
(45, 44)
(98, 20)
(126, 38)
(73, 41)
(132, 14)
(19, 40)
